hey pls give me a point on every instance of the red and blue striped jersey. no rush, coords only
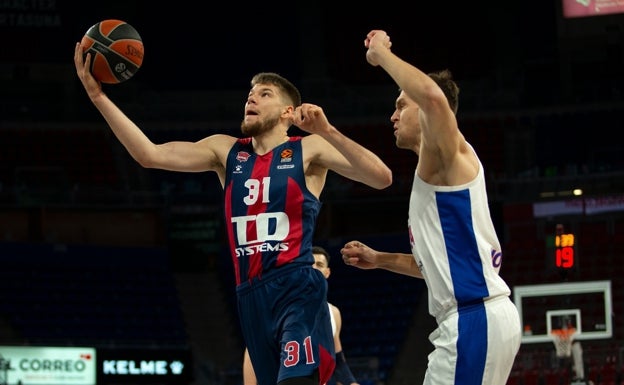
(270, 215)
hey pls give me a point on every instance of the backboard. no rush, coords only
(546, 307)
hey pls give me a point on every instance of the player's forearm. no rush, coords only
(128, 133)
(369, 168)
(342, 372)
(401, 263)
(414, 82)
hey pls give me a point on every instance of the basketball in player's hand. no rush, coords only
(116, 50)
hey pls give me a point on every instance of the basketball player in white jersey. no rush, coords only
(342, 373)
(454, 245)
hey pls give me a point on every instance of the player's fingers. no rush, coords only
(313, 112)
(349, 260)
(300, 115)
(77, 54)
(87, 60)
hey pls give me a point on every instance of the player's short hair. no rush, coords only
(290, 91)
(321, 250)
(444, 80)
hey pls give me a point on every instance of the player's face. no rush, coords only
(263, 110)
(320, 263)
(406, 123)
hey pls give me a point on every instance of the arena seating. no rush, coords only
(102, 297)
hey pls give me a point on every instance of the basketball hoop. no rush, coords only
(562, 338)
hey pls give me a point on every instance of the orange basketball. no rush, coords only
(116, 50)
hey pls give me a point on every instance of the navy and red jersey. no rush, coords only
(270, 215)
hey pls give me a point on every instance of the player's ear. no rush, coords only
(289, 110)
(289, 113)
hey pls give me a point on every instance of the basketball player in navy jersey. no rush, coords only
(272, 183)
(454, 245)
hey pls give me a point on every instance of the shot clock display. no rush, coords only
(562, 249)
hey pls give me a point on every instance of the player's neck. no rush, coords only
(263, 144)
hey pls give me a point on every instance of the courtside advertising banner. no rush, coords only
(44, 365)
(127, 366)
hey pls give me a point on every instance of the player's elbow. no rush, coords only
(145, 159)
(384, 180)
(145, 164)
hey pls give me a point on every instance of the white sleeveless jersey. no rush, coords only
(333, 320)
(454, 243)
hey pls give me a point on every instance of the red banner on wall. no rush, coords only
(585, 8)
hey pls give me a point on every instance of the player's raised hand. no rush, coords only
(311, 118)
(376, 42)
(83, 63)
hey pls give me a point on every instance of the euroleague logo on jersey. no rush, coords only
(286, 157)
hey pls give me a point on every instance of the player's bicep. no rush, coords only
(208, 154)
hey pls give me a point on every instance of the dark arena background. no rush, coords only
(118, 275)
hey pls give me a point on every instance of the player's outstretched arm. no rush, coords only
(355, 253)
(208, 154)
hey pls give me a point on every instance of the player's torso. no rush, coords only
(454, 243)
(270, 214)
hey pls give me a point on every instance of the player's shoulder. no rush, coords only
(311, 139)
(221, 139)
(219, 145)
(313, 143)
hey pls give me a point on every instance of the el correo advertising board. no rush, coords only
(42, 365)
